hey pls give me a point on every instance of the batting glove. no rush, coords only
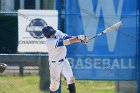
(83, 38)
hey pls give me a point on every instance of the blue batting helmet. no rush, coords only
(48, 31)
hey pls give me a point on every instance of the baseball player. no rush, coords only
(56, 42)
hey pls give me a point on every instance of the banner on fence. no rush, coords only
(104, 57)
(30, 24)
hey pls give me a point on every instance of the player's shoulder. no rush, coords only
(59, 32)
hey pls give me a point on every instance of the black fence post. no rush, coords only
(21, 69)
(44, 73)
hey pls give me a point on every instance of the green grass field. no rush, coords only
(30, 84)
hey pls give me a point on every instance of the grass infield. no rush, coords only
(30, 84)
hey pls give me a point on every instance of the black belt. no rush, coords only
(59, 60)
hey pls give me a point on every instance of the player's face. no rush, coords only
(53, 36)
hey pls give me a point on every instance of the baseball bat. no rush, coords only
(111, 28)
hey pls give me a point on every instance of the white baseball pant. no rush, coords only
(56, 69)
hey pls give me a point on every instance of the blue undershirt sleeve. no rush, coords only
(66, 37)
(59, 43)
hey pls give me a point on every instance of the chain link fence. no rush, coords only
(23, 72)
(8, 33)
(17, 75)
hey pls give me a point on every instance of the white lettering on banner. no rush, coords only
(71, 61)
(97, 63)
(31, 42)
(109, 15)
(35, 28)
(130, 64)
(88, 64)
(102, 63)
(122, 64)
(79, 64)
(106, 63)
(115, 64)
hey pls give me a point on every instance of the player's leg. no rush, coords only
(72, 88)
(53, 91)
(55, 71)
(67, 72)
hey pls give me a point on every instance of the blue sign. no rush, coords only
(115, 50)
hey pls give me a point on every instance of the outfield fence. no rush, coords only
(72, 15)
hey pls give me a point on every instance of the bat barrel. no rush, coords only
(113, 27)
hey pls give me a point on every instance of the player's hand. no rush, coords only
(84, 41)
(83, 38)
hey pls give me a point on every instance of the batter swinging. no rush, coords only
(56, 42)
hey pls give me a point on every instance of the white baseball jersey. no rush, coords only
(55, 52)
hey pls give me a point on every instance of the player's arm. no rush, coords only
(64, 36)
(71, 40)
(67, 37)
(67, 42)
